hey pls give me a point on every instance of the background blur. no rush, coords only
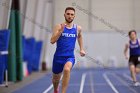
(105, 24)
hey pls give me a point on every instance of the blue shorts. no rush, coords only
(59, 62)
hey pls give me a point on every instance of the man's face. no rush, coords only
(133, 36)
(69, 16)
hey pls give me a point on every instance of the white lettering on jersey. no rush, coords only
(68, 35)
(134, 46)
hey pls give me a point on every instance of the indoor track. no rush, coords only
(88, 81)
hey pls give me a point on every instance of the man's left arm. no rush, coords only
(80, 41)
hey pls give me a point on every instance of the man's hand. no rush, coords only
(58, 30)
(82, 53)
(62, 28)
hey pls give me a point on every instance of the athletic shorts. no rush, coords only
(59, 62)
(134, 60)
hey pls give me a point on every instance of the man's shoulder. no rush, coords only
(57, 26)
(78, 26)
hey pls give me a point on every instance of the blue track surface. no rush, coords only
(88, 81)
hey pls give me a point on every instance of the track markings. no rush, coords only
(110, 83)
(82, 82)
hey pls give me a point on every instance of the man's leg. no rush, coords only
(133, 72)
(55, 80)
(66, 76)
(57, 72)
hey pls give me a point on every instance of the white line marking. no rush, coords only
(110, 84)
(50, 87)
(82, 82)
(123, 82)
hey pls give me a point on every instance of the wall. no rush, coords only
(37, 23)
(23, 6)
(137, 14)
(4, 11)
(116, 12)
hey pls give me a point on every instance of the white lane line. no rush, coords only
(91, 82)
(50, 87)
(82, 82)
(110, 84)
(89, 85)
(123, 82)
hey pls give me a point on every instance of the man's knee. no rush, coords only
(67, 67)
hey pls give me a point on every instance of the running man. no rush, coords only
(65, 35)
(134, 59)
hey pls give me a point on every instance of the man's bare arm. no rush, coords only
(58, 29)
(80, 41)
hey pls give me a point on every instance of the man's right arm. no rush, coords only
(58, 29)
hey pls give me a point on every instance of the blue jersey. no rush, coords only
(134, 48)
(66, 42)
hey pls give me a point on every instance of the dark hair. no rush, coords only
(69, 8)
(129, 33)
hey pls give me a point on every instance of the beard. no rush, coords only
(69, 20)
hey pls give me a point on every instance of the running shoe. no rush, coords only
(136, 84)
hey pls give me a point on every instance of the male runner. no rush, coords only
(134, 59)
(65, 35)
